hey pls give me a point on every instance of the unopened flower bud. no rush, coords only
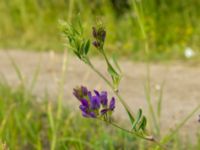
(96, 44)
(94, 32)
(103, 35)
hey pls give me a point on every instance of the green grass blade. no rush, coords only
(35, 77)
(17, 70)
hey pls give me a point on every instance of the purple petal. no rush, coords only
(89, 95)
(76, 93)
(104, 99)
(93, 115)
(84, 90)
(80, 92)
(85, 103)
(83, 108)
(84, 114)
(112, 104)
(95, 103)
(96, 92)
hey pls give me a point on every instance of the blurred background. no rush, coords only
(171, 26)
(37, 77)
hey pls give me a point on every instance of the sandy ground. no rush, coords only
(181, 91)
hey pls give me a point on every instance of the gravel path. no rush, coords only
(181, 91)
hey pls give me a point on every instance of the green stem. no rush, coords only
(101, 75)
(104, 55)
(148, 138)
(110, 85)
(116, 92)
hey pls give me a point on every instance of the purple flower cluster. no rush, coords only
(99, 34)
(95, 105)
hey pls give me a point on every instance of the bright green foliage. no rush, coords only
(170, 25)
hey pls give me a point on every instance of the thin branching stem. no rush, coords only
(111, 86)
(100, 74)
(148, 138)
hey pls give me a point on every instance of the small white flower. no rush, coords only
(189, 52)
(157, 87)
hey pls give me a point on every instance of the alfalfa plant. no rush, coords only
(96, 104)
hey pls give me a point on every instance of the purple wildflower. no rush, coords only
(93, 106)
(99, 35)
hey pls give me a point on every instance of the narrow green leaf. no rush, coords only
(80, 24)
(160, 98)
(82, 49)
(116, 81)
(77, 46)
(35, 76)
(130, 117)
(87, 47)
(18, 71)
(115, 76)
(75, 31)
(116, 63)
(112, 71)
(77, 54)
(143, 123)
(138, 117)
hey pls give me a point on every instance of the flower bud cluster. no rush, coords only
(94, 105)
(99, 35)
